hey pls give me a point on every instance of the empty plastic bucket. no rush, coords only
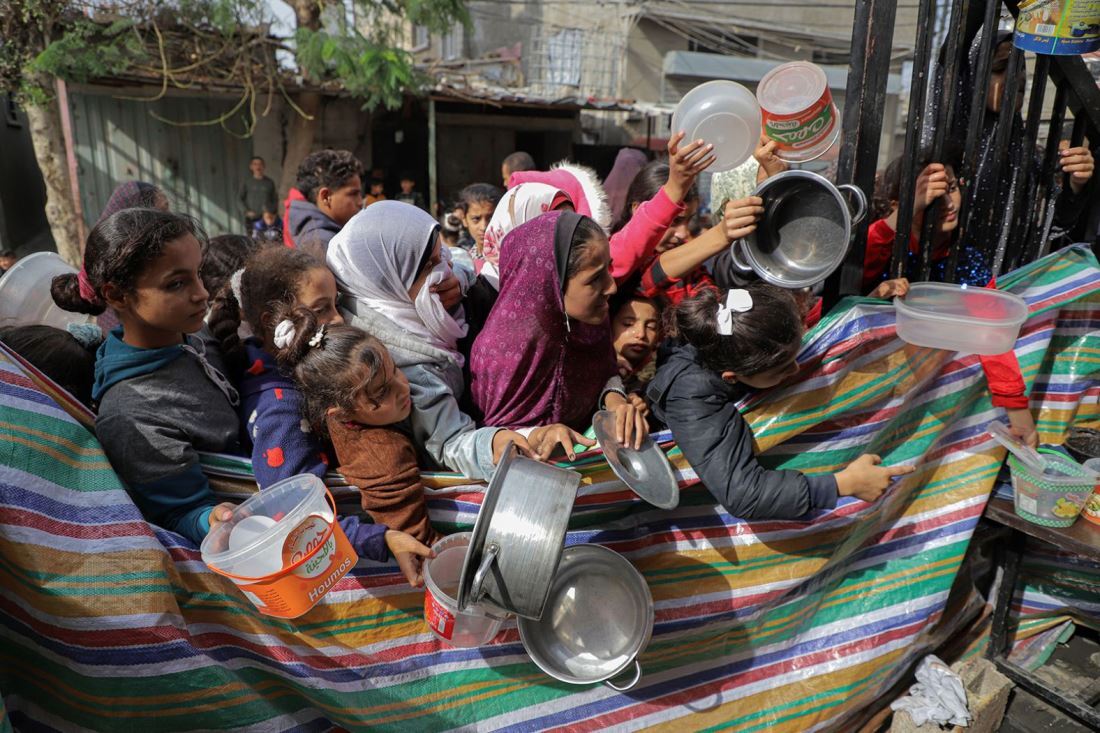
(282, 547)
(1055, 497)
(960, 318)
(469, 628)
(1091, 510)
(25, 298)
(797, 111)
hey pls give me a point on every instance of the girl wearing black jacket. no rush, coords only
(730, 340)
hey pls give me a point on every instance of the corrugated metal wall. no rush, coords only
(199, 167)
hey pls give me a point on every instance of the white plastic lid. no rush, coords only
(791, 88)
(1024, 452)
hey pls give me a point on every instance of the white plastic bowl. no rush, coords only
(726, 115)
(960, 318)
(25, 298)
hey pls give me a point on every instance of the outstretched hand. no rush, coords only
(409, 553)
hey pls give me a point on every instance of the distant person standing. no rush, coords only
(7, 259)
(376, 193)
(257, 194)
(409, 194)
(517, 162)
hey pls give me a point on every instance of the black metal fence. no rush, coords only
(948, 101)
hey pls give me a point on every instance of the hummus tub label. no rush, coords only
(1058, 27)
(308, 541)
(438, 617)
(804, 130)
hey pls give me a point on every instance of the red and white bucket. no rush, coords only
(442, 574)
(282, 547)
(797, 111)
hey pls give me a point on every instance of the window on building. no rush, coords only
(452, 43)
(421, 39)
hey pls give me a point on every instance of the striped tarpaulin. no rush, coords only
(107, 623)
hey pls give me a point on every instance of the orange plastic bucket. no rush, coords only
(283, 547)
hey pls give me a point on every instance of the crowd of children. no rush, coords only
(381, 341)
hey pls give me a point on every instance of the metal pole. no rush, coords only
(1038, 227)
(917, 95)
(1024, 178)
(864, 104)
(433, 182)
(975, 126)
(945, 108)
(1001, 139)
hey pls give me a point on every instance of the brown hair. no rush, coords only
(325, 369)
(118, 250)
(762, 337)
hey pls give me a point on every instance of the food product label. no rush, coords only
(1058, 27)
(438, 617)
(309, 537)
(803, 130)
(1027, 503)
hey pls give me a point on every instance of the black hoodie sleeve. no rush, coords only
(718, 444)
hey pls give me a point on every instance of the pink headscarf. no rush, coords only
(520, 205)
(627, 164)
(528, 368)
(581, 184)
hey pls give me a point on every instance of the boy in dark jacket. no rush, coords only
(330, 181)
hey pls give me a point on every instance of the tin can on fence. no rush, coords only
(797, 111)
(1058, 27)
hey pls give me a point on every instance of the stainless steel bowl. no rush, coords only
(599, 618)
(805, 231)
(646, 471)
(518, 537)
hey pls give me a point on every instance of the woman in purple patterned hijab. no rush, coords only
(134, 195)
(545, 354)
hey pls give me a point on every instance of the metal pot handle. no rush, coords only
(735, 258)
(476, 589)
(637, 678)
(861, 201)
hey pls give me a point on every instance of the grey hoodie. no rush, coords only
(310, 228)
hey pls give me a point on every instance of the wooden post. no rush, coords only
(433, 182)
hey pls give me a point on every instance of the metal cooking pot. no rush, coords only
(805, 231)
(599, 618)
(518, 537)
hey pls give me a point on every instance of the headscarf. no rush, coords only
(376, 258)
(627, 164)
(581, 184)
(130, 195)
(531, 365)
(519, 206)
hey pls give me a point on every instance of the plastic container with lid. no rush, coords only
(724, 114)
(25, 298)
(283, 547)
(474, 626)
(1054, 497)
(960, 318)
(797, 111)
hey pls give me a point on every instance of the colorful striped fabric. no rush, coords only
(109, 624)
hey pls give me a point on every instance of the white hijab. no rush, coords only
(520, 205)
(376, 258)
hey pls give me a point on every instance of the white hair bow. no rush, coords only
(737, 301)
(284, 334)
(235, 285)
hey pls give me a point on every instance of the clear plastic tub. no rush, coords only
(25, 298)
(1054, 497)
(726, 115)
(960, 318)
(282, 547)
(472, 627)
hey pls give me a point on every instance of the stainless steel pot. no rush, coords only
(805, 231)
(598, 619)
(518, 537)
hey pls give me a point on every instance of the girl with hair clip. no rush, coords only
(730, 341)
(351, 391)
(162, 398)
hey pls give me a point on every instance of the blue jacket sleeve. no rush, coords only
(718, 444)
(368, 540)
(282, 443)
(181, 502)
